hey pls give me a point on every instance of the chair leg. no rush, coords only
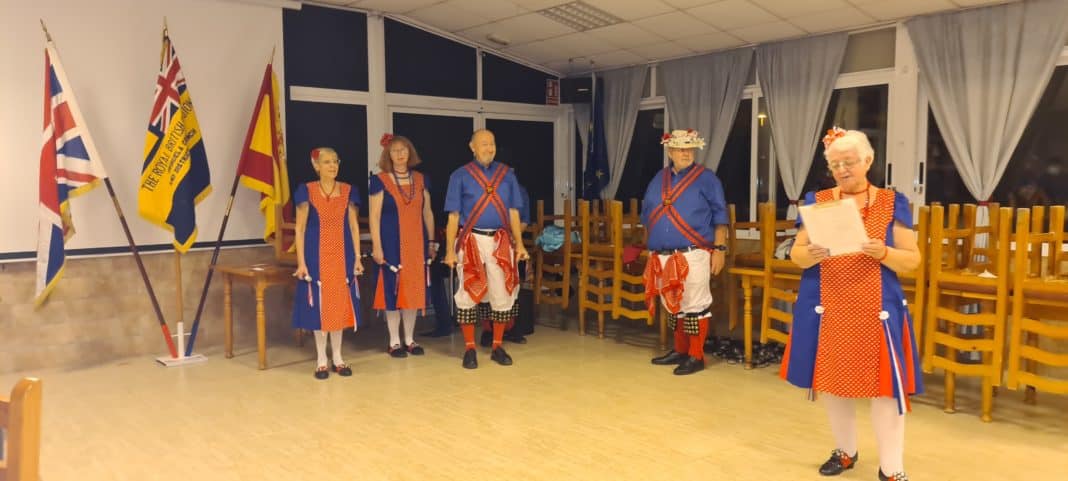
(988, 399)
(747, 316)
(951, 392)
(1030, 394)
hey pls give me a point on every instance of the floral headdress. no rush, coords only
(682, 139)
(834, 133)
(386, 139)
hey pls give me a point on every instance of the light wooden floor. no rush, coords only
(571, 408)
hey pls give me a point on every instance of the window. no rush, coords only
(646, 155)
(858, 108)
(421, 63)
(734, 164)
(325, 48)
(508, 81)
(869, 51)
(1037, 172)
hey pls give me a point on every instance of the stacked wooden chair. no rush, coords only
(1039, 332)
(552, 270)
(964, 274)
(595, 265)
(782, 279)
(628, 286)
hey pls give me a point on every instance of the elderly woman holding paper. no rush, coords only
(852, 335)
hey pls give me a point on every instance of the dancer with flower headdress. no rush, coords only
(852, 336)
(685, 214)
(402, 230)
(327, 240)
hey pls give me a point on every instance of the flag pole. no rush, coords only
(181, 304)
(133, 247)
(218, 245)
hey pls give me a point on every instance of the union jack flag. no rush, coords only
(70, 166)
(168, 83)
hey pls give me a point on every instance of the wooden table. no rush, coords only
(260, 277)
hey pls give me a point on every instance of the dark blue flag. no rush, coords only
(595, 177)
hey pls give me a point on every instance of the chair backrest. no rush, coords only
(958, 243)
(1040, 245)
(554, 292)
(628, 295)
(774, 231)
(284, 237)
(20, 416)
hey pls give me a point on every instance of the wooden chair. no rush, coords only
(552, 270)
(915, 283)
(782, 279)
(745, 272)
(20, 416)
(285, 236)
(595, 266)
(959, 280)
(628, 285)
(1039, 302)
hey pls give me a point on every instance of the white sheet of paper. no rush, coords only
(835, 225)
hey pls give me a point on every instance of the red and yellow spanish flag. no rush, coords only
(263, 158)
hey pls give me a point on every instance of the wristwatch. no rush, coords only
(719, 247)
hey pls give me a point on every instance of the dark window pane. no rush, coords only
(646, 155)
(527, 146)
(419, 62)
(943, 182)
(860, 108)
(325, 47)
(735, 163)
(342, 127)
(442, 145)
(508, 81)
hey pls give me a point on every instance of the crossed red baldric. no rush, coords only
(475, 282)
(669, 195)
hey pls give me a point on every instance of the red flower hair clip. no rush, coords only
(665, 137)
(834, 133)
(386, 139)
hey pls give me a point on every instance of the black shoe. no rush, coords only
(689, 366)
(487, 339)
(415, 349)
(343, 370)
(898, 476)
(501, 357)
(670, 358)
(397, 351)
(470, 359)
(840, 461)
(322, 372)
(516, 338)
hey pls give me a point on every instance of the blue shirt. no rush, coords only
(464, 191)
(701, 206)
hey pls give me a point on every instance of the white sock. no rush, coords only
(890, 433)
(320, 348)
(843, 416)
(409, 316)
(335, 346)
(393, 319)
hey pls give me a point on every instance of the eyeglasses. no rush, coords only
(398, 151)
(848, 164)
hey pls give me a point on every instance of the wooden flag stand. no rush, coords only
(182, 357)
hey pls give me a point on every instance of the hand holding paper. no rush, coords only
(835, 225)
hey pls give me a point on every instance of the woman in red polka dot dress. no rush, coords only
(852, 335)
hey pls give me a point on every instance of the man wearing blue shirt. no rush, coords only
(484, 197)
(685, 213)
(511, 332)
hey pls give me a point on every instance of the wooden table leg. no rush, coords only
(747, 316)
(261, 324)
(228, 315)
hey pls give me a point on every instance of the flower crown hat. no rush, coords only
(682, 139)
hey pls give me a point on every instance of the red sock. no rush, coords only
(697, 343)
(498, 334)
(469, 335)
(682, 341)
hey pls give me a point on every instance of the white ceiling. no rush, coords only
(651, 30)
